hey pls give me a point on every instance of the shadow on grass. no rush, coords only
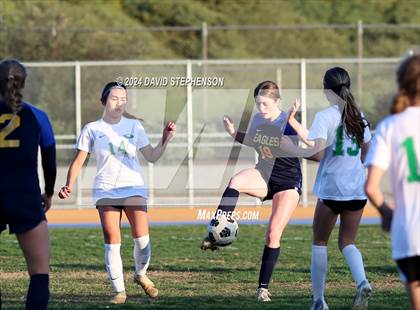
(290, 302)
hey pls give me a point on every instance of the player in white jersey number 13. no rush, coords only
(340, 137)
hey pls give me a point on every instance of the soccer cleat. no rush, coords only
(119, 298)
(263, 294)
(363, 292)
(208, 245)
(147, 285)
(319, 304)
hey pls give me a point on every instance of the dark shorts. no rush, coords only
(410, 267)
(20, 211)
(121, 203)
(346, 205)
(278, 185)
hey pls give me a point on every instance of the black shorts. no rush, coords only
(120, 203)
(410, 267)
(345, 205)
(21, 211)
(275, 186)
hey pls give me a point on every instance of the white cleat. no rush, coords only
(263, 294)
(363, 292)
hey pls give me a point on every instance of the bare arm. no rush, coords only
(373, 191)
(289, 149)
(301, 131)
(152, 154)
(72, 173)
(239, 136)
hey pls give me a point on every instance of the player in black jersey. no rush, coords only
(273, 178)
(23, 128)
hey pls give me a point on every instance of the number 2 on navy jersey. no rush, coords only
(412, 160)
(13, 124)
(339, 149)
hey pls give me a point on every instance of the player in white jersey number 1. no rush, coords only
(396, 146)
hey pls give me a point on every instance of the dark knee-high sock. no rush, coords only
(228, 202)
(268, 262)
(38, 292)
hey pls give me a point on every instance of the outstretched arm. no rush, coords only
(72, 174)
(152, 154)
(239, 136)
(300, 130)
(289, 148)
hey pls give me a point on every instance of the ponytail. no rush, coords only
(351, 117)
(338, 80)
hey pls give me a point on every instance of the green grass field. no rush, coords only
(191, 279)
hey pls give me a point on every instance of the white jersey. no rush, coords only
(115, 146)
(341, 175)
(396, 144)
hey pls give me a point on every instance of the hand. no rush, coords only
(229, 125)
(65, 192)
(294, 109)
(386, 215)
(169, 131)
(46, 202)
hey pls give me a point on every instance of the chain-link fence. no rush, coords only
(198, 163)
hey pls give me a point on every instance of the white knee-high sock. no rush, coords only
(114, 266)
(319, 267)
(142, 252)
(355, 261)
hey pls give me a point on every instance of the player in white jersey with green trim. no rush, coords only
(339, 137)
(396, 146)
(115, 141)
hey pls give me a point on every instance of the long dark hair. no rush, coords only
(12, 81)
(408, 79)
(338, 80)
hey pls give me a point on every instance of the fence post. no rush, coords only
(190, 137)
(359, 62)
(204, 41)
(304, 121)
(78, 110)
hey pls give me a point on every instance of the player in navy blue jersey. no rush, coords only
(273, 178)
(24, 128)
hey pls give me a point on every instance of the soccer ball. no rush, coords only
(223, 230)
